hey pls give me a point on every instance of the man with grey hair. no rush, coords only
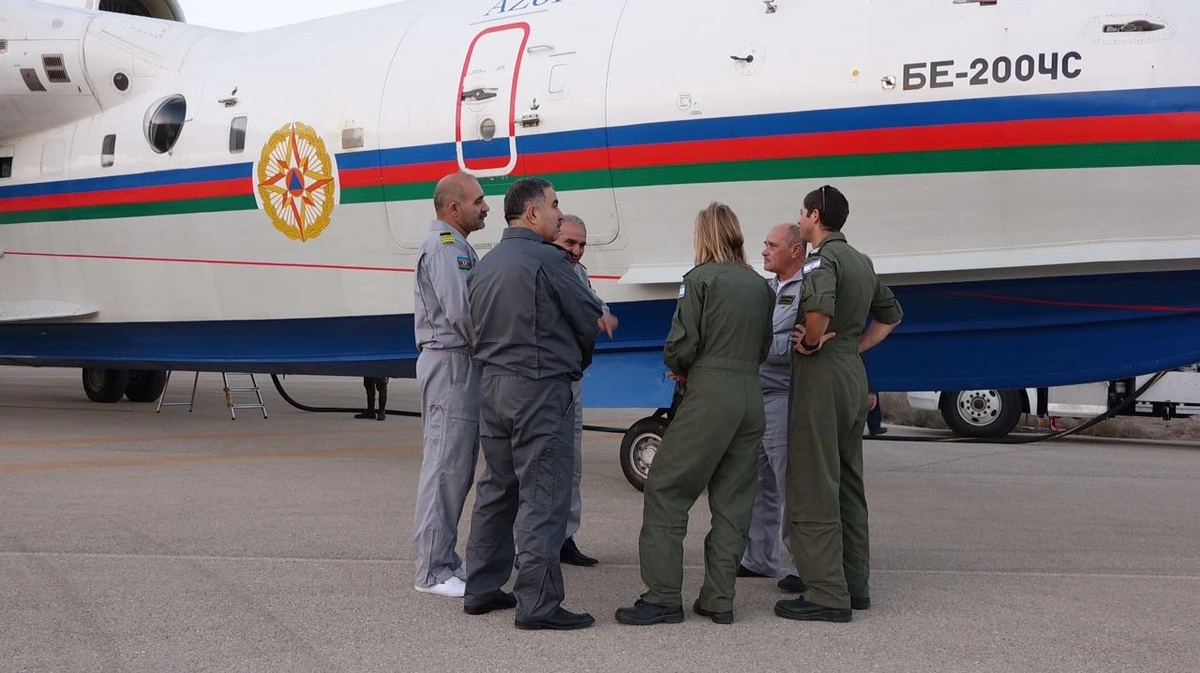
(449, 381)
(535, 327)
(783, 255)
(572, 237)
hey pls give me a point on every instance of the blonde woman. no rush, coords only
(720, 334)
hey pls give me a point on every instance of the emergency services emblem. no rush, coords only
(295, 182)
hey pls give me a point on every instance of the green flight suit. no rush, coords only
(826, 499)
(720, 334)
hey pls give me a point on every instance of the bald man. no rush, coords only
(449, 381)
(783, 255)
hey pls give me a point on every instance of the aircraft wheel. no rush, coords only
(638, 448)
(145, 385)
(105, 385)
(981, 413)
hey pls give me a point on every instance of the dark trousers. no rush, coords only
(374, 385)
(875, 416)
(523, 497)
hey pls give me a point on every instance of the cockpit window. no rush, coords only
(164, 123)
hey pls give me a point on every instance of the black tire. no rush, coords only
(145, 385)
(638, 447)
(983, 414)
(105, 385)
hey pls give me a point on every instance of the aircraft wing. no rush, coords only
(24, 310)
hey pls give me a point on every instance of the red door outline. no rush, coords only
(512, 103)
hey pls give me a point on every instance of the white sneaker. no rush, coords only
(451, 588)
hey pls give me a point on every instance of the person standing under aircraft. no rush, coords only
(783, 255)
(449, 381)
(826, 499)
(535, 326)
(573, 238)
(372, 384)
(720, 334)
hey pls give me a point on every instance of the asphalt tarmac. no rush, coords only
(175, 541)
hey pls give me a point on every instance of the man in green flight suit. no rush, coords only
(826, 500)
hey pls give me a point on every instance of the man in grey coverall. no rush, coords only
(783, 255)
(573, 238)
(535, 325)
(449, 381)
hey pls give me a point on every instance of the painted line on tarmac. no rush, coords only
(158, 461)
(151, 439)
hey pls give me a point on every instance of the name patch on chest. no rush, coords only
(787, 299)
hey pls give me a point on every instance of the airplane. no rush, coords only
(1022, 173)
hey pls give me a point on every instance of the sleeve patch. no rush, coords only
(446, 238)
(682, 291)
(809, 267)
(465, 264)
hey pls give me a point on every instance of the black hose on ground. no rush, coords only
(1030, 439)
(1025, 439)
(391, 412)
(330, 410)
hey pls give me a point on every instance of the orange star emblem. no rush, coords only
(295, 180)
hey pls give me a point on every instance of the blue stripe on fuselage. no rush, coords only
(905, 115)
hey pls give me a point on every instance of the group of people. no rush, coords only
(774, 393)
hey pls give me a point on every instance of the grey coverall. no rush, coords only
(449, 381)
(766, 523)
(720, 335)
(534, 330)
(576, 517)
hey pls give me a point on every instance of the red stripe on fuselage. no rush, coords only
(118, 197)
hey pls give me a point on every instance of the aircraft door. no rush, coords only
(485, 124)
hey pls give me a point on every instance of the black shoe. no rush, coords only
(366, 415)
(559, 620)
(803, 610)
(381, 416)
(859, 603)
(792, 584)
(743, 571)
(498, 600)
(644, 614)
(877, 431)
(717, 617)
(570, 554)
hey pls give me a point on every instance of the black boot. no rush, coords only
(381, 414)
(645, 614)
(370, 412)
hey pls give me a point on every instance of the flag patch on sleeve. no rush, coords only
(809, 267)
(682, 291)
(465, 264)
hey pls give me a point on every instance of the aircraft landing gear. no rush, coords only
(110, 385)
(642, 439)
(105, 385)
(145, 385)
(638, 448)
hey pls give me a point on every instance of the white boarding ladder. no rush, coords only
(230, 402)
